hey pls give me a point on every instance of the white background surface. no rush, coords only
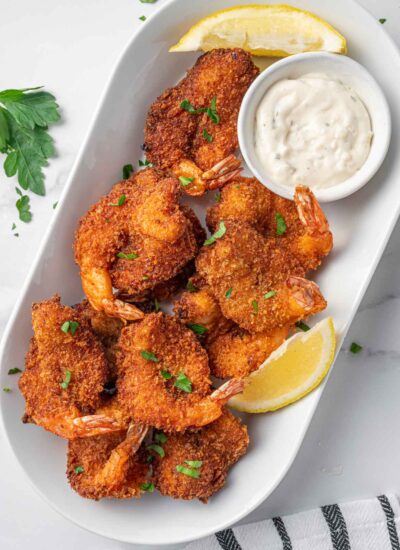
(353, 445)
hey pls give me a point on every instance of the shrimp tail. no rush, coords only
(309, 211)
(307, 294)
(95, 424)
(228, 390)
(222, 172)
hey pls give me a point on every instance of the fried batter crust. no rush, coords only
(173, 134)
(219, 445)
(150, 223)
(52, 352)
(142, 390)
(92, 454)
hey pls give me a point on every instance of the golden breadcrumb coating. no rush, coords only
(217, 446)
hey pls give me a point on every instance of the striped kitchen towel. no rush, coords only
(362, 525)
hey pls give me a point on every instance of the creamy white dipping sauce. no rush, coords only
(312, 130)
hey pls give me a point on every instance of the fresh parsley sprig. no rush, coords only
(25, 116)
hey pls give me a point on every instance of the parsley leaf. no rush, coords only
(149, 356)
(79, 469)
(70, 326)
(355, 348)
(217, 196)
(228, 293)
(194, 463)
(207, 136)
(24, 118)
(148, 1)
(302, 326)
(24, 208)
(14, 370)
(55, 205)
(166, 374)
(280, 224)
(7, 390)
(269, 294)
(157, 448)
(183, 383)
(217, 235)
(145, 162)
(197, 329)
(187, 106)
(129, 256)
(121, 201)
(127, 170)
(190, 287)
(188, 471)
(382, 20)
(185, 181)
(212, 111)
(65, 383)
(254, 305)
(148, 487)
(142, 18)
(160, 437)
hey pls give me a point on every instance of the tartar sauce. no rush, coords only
(312, 130)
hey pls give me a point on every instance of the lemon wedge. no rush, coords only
(290, 372)
(264, 30)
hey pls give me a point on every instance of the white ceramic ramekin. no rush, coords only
(336, 66)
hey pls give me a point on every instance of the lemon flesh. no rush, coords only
(264, 30)
(292, 371)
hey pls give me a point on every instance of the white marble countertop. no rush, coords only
(353, 446)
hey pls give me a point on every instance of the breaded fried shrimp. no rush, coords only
(164, 378)
(183, 137)
(266, 284)
(133, 239)
(108, 465)
(196, 463)
(65, 372)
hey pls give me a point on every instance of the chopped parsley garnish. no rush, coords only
(64, 384)
(79, 469)
(191, 472)
(148, 1)
(197, 329)
(24, 119)
(302, 326)
(14, 370)
(217, 235)
(187, 106)
(269, 294)
(148, 487)
(157, 449)
(7, 390)
(254, 305)
(190, 287)
(160, 437)
(145, 162)
(142, 18)
(217, 196)
(16, 234)
(207, 136)
(13, 227)
(280, 224)
(149, 356)
(183, 383)
(70, 326)
(355, 348)
(212, 111)
(55, 205)
(382, 20)
(149, 459)
(23, 207)
(166, 374)
(228, 293)
(185, 181)
(156, 305)
(121, 201)
(194, 463)
(130, 256)
(127, 170)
